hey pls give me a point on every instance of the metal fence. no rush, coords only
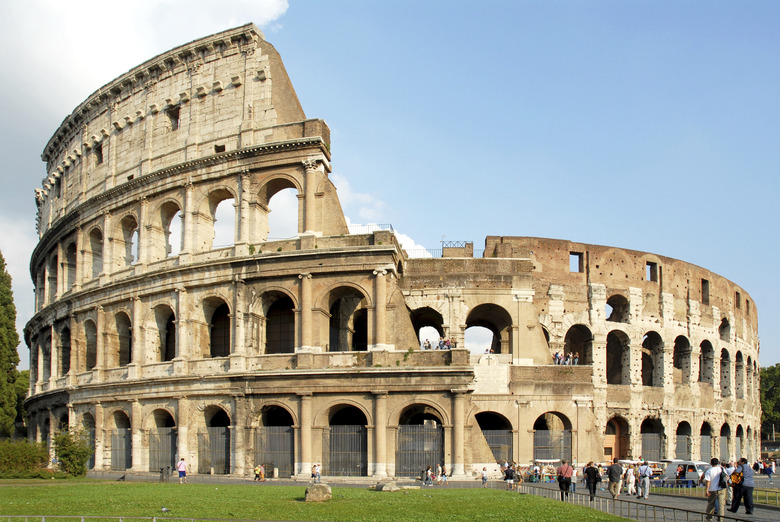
(419, 446)
(121, 449)
(346, 449)
(500, 442)
(683, 447)
(724, 448)
(214, 451)
(652, 446)
(91, 438)
(552, 444)
(162, 448)
(706, 448)
(274, 448)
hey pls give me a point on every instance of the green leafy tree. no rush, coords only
(22, 387)
(770, 400)
(73, 449)
(9, 358)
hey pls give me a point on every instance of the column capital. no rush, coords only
(380, 393)
(380, 272)
(304, 276)
(310, 164)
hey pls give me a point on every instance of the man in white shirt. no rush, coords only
(716, 496)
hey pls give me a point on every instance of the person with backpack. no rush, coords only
(715, 486)
(742, 483)
(565, 473)
(643, 487)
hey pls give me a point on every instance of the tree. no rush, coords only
(770, 400)
(22, 387)
(9, 358)
(73, 449)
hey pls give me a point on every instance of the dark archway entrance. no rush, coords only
(121, 443)
(652, 432)
(275, 441)
(162, 442)
(616, 440)
(498, 434)
(420, 440)
(345, 443)
(552, 437)
(214, 443)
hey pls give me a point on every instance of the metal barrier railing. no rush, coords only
(634, 510)
(769, 497)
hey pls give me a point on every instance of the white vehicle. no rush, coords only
(693, 470)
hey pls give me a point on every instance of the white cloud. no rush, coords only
(368, 208)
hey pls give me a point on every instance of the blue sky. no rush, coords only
(644, 125)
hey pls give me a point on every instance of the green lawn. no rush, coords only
(278, 502)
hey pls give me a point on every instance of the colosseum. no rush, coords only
(163, 341)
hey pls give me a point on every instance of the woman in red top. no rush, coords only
(564, 478)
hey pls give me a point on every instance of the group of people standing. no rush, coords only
(568, 359)
(443, 344)
(636, 479)
(727, 479)
(440, 476)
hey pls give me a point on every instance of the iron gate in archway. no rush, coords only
(346, 449)
(274, 448)
(419, 446)
(162, 448)
(214, 451)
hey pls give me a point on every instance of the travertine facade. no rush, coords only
(306, 350)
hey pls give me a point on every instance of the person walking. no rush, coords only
(615, 475)
(181, 467)
(565, 473)
(592, 478)
(643, 489)
(743, 489)
(509, 477)
(630, 480)
(715, 488)
(484, 477)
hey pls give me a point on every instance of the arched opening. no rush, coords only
(46, 359)
(618, 361)
(616, 439)
(749, 376)
(274, 442)
(725, 435)
(725, 373)
(684, 442)
(739, 378)
(428, 325)
(223, 219)
(552, 436)
(705, 435)
(162, 442)
(70, 266)
(88, 425)
(652, 433)
(53, 266)
(345, 443)
(124, 346)
(478, 339)
(617, 309)
(121, 442)
(497, 431)
(214, 443)
(283, 214)
(348, 321)
(172, 221)
(165, 321)
(682, 360)
(279, 324)
(495, 319)
(579, 341)
(64, 351)
(739, 442)
(724, 330)
(420, 440)
(706, 362)
(127, 242)
(219, 330)
(90, 336)
(652, 360)
(96, 252)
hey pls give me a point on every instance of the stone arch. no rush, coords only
(121, 440)
(95, 251)
(160, 417)
(617, 309)
(724, 330)
(345, 441)
(618, 358)
(739, 377)
(652, 359)
(279, 328)
(400, 415)
(65, 348)
(579, 340)
(279, 186)
(322, 417)
(52, 279)
(552, 436)
(90, 341)
(617, 443)
(166, 233)
(217, 317)
(684, 441)
(653, 436)
(70, 264)
(497, 431)
(125, 241)
(725, 373)
(207, 218)
(705, 441)
(682, 360)
(427, 318)
(164, 334)
(163, 439)
(724, 441)
(347, 305)
(88, 425)
(214, 441)
(496, 319)
(739, 442)
(420, 438)
(706, 362)
(275, 439)
(123, 343)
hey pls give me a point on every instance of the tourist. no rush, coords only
(443, 476)
(716, 493)
(537, 473)
(426, 345)
(592, 478)
(181, 467)
(630, 480)
(770, 469)
(645, 474)
(564, 478)
(509, 477)
(576, 358)
(573, 486)
(728, 468)
(615, 476)
(428, 481)
(262, 472)
(315, 473)
(257, 472)
(744, 489)
(484, 477)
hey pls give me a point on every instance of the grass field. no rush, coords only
(278, 502)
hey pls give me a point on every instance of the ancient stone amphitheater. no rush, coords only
(164, 342)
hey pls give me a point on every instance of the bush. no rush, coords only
(21, 456)
(73, 449)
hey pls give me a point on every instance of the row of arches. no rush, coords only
(121, 242)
